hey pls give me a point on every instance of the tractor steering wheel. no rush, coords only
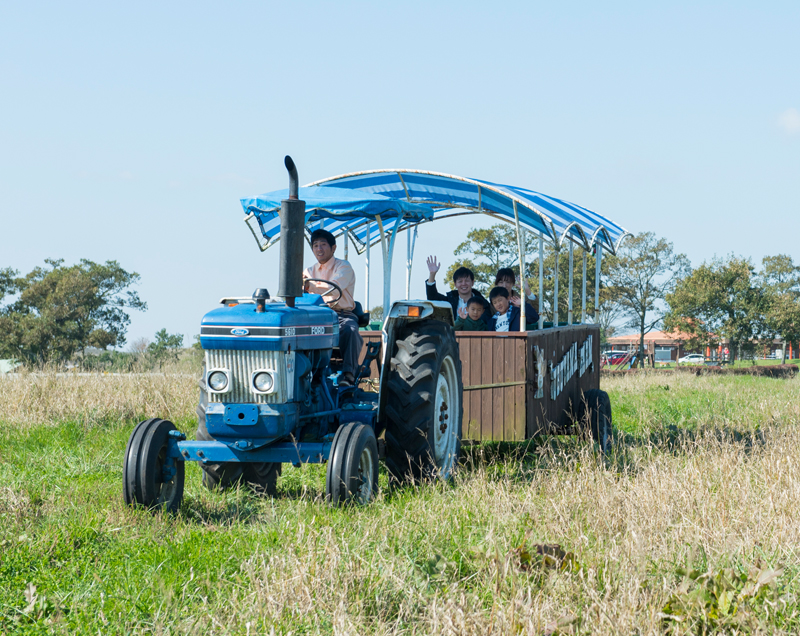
(333, 287)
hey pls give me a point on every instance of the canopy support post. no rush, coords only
(387, 247)
(583, 291)
(346, 242)
(366, 275)
(412, 241)
(597, 265)
(541, 280)
(523, 325)
(555, 291)
(571, 267)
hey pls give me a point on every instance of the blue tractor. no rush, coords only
(269, 395)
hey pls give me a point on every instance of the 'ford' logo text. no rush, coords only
(240, 332)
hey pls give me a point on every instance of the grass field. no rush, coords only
(690, 527)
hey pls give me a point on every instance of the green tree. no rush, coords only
(780, 278)
(718, 300)
(60, 310)
(644, 270)
(165, 347)
(376, 313)
(7, 285)
(492, 248)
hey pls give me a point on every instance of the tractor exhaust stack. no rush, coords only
(293, 217)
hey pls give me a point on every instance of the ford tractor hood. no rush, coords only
(308, 325)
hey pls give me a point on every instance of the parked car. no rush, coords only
(692, 358)
(615, 357)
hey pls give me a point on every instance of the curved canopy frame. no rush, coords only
(449, 195)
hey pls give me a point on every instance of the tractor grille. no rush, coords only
(241, 365)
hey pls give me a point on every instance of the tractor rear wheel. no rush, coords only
(424, 403)
(145, 482)
(596, 417)
(352, 474)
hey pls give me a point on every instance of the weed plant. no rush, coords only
(688, 527)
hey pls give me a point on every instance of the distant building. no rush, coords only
(666, 346)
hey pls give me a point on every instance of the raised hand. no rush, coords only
(462, 312)
(526, 288)
(515, 300)
(433, 267)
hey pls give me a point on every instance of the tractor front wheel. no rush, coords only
(424, 403)
(352, 474)
(151, 478)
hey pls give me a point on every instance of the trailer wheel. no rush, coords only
(596, 414)
(260, 477)
(424, 403)
(146, 459)
(352, 474)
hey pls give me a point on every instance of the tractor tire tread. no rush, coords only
(411, 390)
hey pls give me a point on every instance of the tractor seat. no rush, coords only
(361, 315)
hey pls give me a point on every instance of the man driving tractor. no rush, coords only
(330, 268)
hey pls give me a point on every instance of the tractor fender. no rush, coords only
(401, 314)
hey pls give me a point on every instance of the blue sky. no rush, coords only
(130, 131)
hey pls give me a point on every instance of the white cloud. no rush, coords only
(789, 120)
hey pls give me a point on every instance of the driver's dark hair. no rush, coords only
(462, 272)
(324, 235)
(498, 291)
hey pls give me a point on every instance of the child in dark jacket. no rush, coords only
(473, 321)
(507, 316)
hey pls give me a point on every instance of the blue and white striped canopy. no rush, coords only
(337, 210)
(449, 195)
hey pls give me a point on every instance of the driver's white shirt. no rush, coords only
(336, 271)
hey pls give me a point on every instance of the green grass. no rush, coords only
(738, 364)
(700, 494)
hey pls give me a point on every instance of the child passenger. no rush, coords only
(507, 316)
(506, 277)
(473, 321)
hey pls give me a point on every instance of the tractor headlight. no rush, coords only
(263, 382)
(217, 380)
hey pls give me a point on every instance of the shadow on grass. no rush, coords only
(567, 452)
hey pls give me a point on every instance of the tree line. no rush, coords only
(56, 312)
(647, 285)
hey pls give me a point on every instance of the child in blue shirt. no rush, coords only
(507, 316)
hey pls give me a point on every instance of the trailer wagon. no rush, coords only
(520, 385)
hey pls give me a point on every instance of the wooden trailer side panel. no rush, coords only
(568, 360)
(493, 374)
(503, 398)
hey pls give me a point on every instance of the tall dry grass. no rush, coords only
(31, 398)
(708, 502)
